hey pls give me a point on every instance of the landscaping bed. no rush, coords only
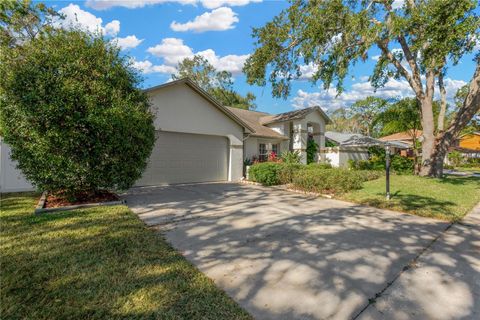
(60, 200)
(97, 263)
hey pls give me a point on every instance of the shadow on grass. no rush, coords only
(458, 180)
(97, 263)
(420, 205)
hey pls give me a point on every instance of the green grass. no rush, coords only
(468, 169)
(97, 263)
(447, 199)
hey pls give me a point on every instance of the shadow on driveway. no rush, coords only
(283, 255)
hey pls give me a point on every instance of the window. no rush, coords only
(276, 148)
(262, 152)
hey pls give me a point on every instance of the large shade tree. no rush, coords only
(365, 111)
(417, 42)
(70, 107)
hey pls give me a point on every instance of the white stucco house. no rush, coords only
(352, 146)
(199, 140)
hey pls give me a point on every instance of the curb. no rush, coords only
(285, 187)
(39, 209)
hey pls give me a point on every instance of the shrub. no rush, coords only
(368, 175)
(73, 115)
(312, 148)
(327, 180)
(320, 165)
(291, 157)
(455, 158)
(398, 164)
(287, 172)
(360, 165)
(266, 173)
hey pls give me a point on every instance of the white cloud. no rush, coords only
(173, 51)
(75, 17)
(327, 99)
(217, 20)
(211, 4)
(131, 4)
(128, 42)
(146, 67)
(397, 4)
(112, 28)
(307, 71)
(232, 63)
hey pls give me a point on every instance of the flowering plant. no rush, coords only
(272, 157)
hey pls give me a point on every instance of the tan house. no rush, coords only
(199, 140)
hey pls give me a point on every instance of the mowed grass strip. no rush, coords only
(450, 198)
(97, 263)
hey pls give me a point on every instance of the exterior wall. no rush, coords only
(299, 136)
(11, 179)
(316, 118)
(179, 108)
(251, 145)
(339, 156)
(281, 127)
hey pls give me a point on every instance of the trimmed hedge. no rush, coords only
(266, 173)
(368, 175)
(313, 178)
(328, 180)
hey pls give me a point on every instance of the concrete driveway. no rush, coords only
(283, 255)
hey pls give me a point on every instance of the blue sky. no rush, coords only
(158, 33)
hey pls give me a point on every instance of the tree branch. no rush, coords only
(443, 102)
(410, 59)
(417, 87)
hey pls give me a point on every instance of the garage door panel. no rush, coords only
(183, 158)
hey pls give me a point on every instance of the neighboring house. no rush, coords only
(468, 145)
(199, 140)
(405, 137)
(470, 141)
(353, 146)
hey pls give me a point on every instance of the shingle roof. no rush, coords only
(357, 139)
(252, 118)
(292, 115)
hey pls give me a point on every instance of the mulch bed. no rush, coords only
(59, 199)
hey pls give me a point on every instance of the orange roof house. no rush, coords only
(470, 141)
(405, 136)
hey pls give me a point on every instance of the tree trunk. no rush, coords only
(443, 103)
(428, 125)
(470, 107)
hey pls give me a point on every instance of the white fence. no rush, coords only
(11, 179)
(339, 156)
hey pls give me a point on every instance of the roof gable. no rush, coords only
(205, 95)
(253, 119)
(293, 115)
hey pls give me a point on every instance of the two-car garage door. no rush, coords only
(186, 157)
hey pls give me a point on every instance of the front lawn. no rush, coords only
(97, 263)
(468, 169)
(448, 199)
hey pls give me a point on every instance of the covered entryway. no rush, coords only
(186, 157)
